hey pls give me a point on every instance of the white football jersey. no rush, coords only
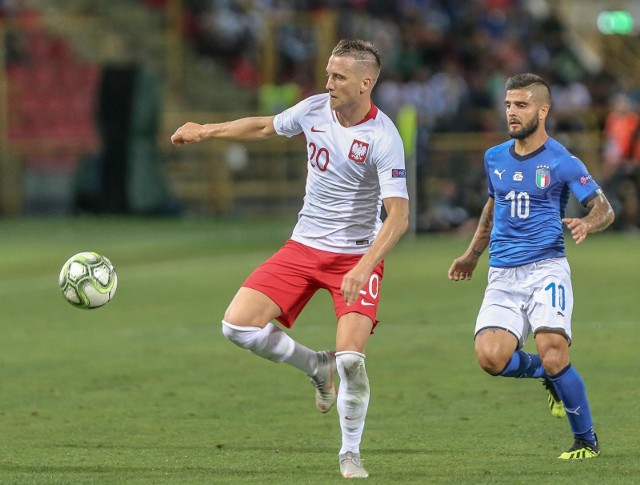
(350, 171)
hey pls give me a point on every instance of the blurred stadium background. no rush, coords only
(91, 91)
(146, 390)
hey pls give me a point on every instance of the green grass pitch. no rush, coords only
(146, 390)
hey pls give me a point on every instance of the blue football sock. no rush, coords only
(570, 388)
(523, 364)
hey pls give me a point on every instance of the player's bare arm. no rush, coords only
(462, 267)
(600, 217)
(251, 128)
(393, 228)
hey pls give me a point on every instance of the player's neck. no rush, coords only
(353, 114)
(531, 143)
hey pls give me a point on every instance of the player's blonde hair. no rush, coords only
(360, 50)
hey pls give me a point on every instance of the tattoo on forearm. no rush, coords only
(483, 232)
(600, 214)
(486, 221)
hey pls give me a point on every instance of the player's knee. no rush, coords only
(554, 363)
(492, 356)
(491, 362)
(352, 370)
(241, 336)
(268, 342)
(554, 355)
(350, 362)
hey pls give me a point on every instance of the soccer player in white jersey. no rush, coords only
(529, 284)
(356, 164)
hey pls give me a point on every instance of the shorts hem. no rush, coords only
(558, 330)
(498, 327)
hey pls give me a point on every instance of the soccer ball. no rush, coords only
(88, 280)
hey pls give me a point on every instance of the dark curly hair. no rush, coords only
(522, 81)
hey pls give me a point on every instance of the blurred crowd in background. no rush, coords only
(448, 57)
(448, 60)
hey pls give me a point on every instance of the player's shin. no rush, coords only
(524, 364)
(353, 398)
(571, 390)
(273, 344)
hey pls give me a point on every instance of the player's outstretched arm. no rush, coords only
(462, 267)
(252, 128)
(600, 217)
(394, 226)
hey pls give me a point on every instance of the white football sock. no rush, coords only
(273, 344)
(353, 398)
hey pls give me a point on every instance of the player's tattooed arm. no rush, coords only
(480, 240)
(600, 217)
(462, 268)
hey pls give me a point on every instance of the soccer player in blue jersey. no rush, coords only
(529, 282)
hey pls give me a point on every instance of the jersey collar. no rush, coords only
(371, 114)
(522, 158)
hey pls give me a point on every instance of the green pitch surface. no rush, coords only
(146, 390)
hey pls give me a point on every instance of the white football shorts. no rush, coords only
(529, 298)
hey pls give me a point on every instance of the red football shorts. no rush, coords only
(293, 274)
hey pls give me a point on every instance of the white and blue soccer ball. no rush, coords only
(88, 280)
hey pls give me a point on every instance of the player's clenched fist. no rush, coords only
(187, 133)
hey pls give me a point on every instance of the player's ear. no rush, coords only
(543, 111)
(366, 85)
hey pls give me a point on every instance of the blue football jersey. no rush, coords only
(531, 194)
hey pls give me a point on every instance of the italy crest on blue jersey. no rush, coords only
(542, 176)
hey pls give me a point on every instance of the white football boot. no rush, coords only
(351, 466)
(324, 381)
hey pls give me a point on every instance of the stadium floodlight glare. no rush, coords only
(615, 22)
